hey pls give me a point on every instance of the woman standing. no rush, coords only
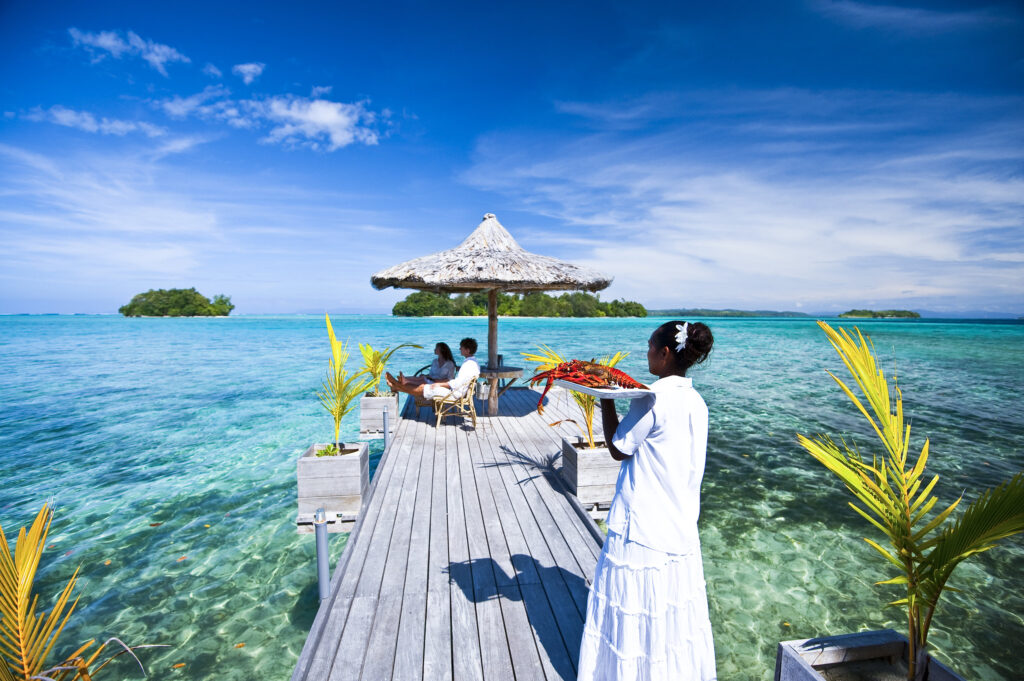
(647, 614)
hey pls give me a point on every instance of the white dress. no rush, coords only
(647, 613)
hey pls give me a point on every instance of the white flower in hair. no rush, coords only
(681, 336)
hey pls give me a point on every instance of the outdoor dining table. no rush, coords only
(493, 376)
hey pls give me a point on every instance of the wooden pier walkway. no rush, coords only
(469, 560)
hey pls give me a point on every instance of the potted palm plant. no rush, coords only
(27, 637)
(587, 466)
(372, 404)
(333, 476)
(923, 546)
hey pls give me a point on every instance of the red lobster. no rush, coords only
(590, 374)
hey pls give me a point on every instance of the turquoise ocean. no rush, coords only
(169, 447)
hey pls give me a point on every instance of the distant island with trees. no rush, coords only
(703, 312)
(177, 302)
(880, 314)
(427, 304)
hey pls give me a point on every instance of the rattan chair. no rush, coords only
(455, 406)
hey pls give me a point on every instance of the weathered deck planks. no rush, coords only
(470, 561)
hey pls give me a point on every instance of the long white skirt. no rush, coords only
(647, 617)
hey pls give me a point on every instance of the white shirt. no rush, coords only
(441, 372)
(657, 495)
(468, 372)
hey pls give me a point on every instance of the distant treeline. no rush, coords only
(702, 312)
(876, 314)
(177, 302)
(426, 304)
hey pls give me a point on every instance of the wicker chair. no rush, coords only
(453, 406)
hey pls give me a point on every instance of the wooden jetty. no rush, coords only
(469, 561)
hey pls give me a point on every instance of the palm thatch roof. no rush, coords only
(489, 259)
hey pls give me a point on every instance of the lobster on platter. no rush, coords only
(590, 374)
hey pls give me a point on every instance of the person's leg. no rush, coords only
(414, 390)
(412, 380)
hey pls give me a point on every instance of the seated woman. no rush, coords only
(442, 368)
(457, 386)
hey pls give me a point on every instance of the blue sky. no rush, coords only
(804, 155)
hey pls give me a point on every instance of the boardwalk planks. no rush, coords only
(470, 561)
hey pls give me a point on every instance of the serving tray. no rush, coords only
(615, 393)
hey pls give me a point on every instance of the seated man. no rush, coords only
(468, 372)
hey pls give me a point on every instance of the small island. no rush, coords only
(427, 304)
(177, 302)
(880, 314)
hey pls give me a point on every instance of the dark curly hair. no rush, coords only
(445, 352)
(469, 344)
(698, 342)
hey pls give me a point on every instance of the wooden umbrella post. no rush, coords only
(492, 328)
(492, 350)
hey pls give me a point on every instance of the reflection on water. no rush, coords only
(170, 447)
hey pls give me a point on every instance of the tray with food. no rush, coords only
(612, 392)
(576, 374)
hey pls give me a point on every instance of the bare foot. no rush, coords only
(401, 378)
(390, 381)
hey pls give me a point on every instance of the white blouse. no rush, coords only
(657, 495)
(468, 372)
(441, 372)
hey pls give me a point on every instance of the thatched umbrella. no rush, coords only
(489, 260)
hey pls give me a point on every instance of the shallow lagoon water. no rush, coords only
(169, 446)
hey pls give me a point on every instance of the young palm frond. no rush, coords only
(26, 636)
(375, 361)
(339, 388)
(897, 500)
(998, 513)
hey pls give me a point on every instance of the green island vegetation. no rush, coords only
(177, 302)
(703, 312)
(880, 314)
(427, 304)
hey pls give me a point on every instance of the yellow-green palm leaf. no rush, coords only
(897, 497)
(375, 361)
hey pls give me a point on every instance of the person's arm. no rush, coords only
(610, 422)
(468, 373)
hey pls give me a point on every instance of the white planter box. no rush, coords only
(590, 473)
(371, 413)
(335, 483)
(815, 659)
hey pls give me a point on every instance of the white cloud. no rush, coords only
(319, 123)
(107, 41)
(212, 71)
(248, 72)
(709, 211)
(320, 91)
(85, 232)
(295, 121)
(99, 45)
(83, 120)
(182, 107)
(908, 19)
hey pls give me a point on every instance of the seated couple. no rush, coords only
(440, 381)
